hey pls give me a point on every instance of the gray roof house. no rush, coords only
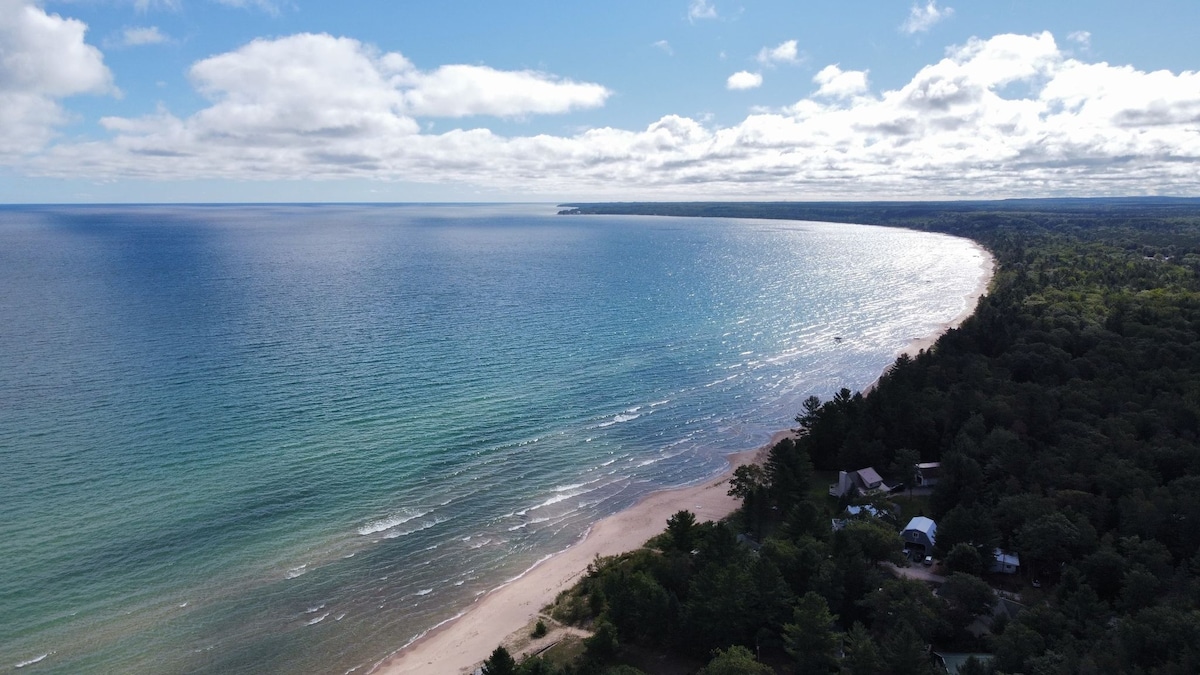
(863, 480)
(920, 531)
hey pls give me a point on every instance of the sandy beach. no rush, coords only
(461, 645)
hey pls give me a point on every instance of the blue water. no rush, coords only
(259, 439)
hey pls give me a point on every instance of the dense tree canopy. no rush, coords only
(1066, 416)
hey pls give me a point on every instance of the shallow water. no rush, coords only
(292, 438)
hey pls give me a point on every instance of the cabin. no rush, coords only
(928, 474)
(1004, 562)
(856, 512)
(863, 480)
(920, 531)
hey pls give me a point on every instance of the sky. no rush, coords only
(544, 100)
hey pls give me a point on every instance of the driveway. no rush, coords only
(918, 573)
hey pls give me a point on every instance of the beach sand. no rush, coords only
(461, 645)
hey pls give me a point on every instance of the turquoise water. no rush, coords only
(292, 438)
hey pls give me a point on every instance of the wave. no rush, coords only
(618, 419)
(535, 521)
(424, 592)
(423, 526)
(317, 620)
(297, 571)
(32, 661)
(388, 523)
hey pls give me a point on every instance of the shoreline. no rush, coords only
(460, 644)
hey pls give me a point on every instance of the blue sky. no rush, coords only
(264, 100)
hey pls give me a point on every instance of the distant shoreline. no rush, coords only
(462, 643)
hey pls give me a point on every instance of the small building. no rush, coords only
(928, 474)
(855, 512)
(920, 531)
(863, 480)
(1004, 562)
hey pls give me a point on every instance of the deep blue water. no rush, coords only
(291, 438)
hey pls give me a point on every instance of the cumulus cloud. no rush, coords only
(838, 83)
(701, 9)
(744, 79)
(785, 52)
(1081, 37)
(1003, 116)
(921, 19)
(43, 58)
(342, 80)
(665, 46)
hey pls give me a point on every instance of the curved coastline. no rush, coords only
(461, 643)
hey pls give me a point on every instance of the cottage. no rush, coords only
(928, 474)
(920, 531)
(1004, 562)
(853, 511)
(863, 480)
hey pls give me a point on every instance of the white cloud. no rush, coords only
(701, 9)
(785, 52)
(1011, 115)
(665, 46)
(1081, 37)
(744, 79)
(144, 35)
(319, 84)
(921, 19)
(43, 58)
(460, 90)
(838, 83)
(269, 6)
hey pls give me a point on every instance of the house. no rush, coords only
(928, 474)
(1004, 562)
(920, 531)
(852, 512)
(863, 480)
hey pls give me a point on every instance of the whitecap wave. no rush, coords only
(297, 571)
(423, 526)
(317, 620)
(423, 592)
(32, 661)
(394, 520)
(527, 523)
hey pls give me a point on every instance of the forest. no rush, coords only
(1065, 417)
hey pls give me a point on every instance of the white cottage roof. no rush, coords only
(923, 524)
(1006, 558)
